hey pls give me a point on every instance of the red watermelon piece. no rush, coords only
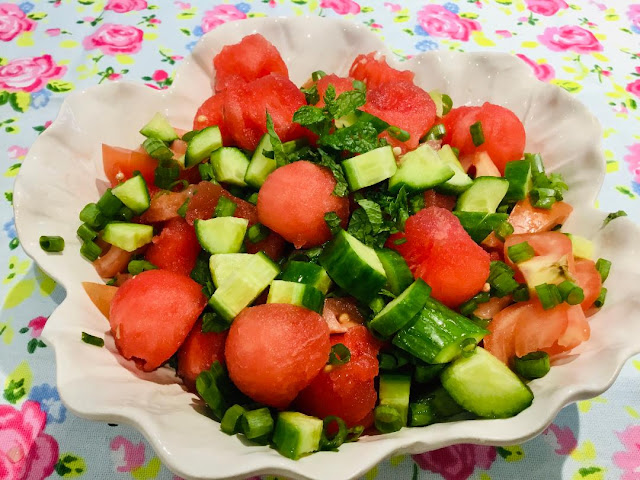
(374, 70)
(341, 85)
(210, 114)
(176, 248)
(198, 352)
(251, 58)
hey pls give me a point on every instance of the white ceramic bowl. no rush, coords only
(64, 167)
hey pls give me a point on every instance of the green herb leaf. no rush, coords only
(278, 151)
(333, 221)
(339, 354)
(613, 216)
(360, 137)
(308, 115)
(346, 103)
(342, 187)
(311, 94)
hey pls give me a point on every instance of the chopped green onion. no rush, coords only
(537, 167)
(109, 204)
(503, 230)
(257, 424)
(477, 135)
(90, 250)
(542, 197)
(386, 361)
(86, 233)
(521, 294)
(157, 149)
(360, 86)
(189, 135)
(339, 354)
(571, 293)
(136, 267)
(182, 210)
(92, 216)
(549, 295)
(447, 104)
(206, 172)
(231, 421)
(468, 346)
(427, 373)
(353, 434)
(51, 244)
(468, 307)
(504, 284)
(520, 252)
(613, 216)
(456, 151)
(377, 304)
(387, 419)
(332, 442)
(482, 297)
(212, 322)
(532, 365)
(183, 183)
(599, 302)
(257, 232)
(400, 241)
(481, 322)
(92, 340)
(208, 387)
(317, 75)
(604, 267)
(437, 132)
(421, 414)
(398, 133)
(225, 207)
(125, 214)
(253, 198)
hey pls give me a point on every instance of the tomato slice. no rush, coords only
(527, 219)
(501, 341)
(552, 244)
(120, 163)
(538, 329)
(589, 279)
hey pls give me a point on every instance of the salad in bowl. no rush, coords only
(320, 256)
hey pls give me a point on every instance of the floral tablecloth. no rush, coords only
(49, 48)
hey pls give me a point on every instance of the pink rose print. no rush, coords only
(159, 76)
(570, 37)
(26, 452)
(565, 440)
(13, 22)
(126, 455)
(124, 6)
(634, 14)
(634, 88)
(220, 14)
(114, 39)
(629, 460)
(393, 7)
(52, 32)
(543, 71)
(437, 21)
(633, 159)
(546, 7)
(457, 462)
(37, 325)
(29, 74)
(341, 7)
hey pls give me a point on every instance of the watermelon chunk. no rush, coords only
(176, 248)
(198, 352)
(374, 70)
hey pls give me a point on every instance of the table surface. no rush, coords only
(51, 47)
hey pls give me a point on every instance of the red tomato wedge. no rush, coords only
(552, 244)
(112, 262)
(176, 248)
(589, 280)
(341, 314)
(198, 352)
(274, 350)
(152, 302)
(120, 163)
(374, 70)
(539, 329)
(500, 342)
(527, 219)
(577, 331)
(252, 58)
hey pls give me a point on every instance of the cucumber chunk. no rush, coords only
(399, 276)
(160, 129)
(582, 247)
(433, 407)
(307, 273)
(370, 168)
(394, 392)
(402, 309)
(230, 165)
(134, 194)
(127, 236)
(484, 195)
(243, 286)
(460, 180)
(296, 294)
(202, 145)
(261, 166)
(222, 234)
(223, 265)
(479, 224)
(518, 174)
(297, 434)
(354, 266)
(419, 170)
(485, 386)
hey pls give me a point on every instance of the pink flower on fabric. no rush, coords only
(570, 37)
(543, 71)
(52, 32)
(126, 455)
(341, 7)
(124, 6)
(437, 21)
(113, 39)
(565, 439)
(37, 325)
(13, 22)
(159, 76)
(26, 452)
(29, 74)
(634, 14)
(457, 462)
(220, 14)
(393, 7)
(546, 7)
(633, 160)
(634, 88)
(629, 460)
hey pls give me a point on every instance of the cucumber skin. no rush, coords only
(386, 323)
(297, 434)
(479, 225)
(399, 276)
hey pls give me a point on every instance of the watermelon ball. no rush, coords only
(347, 390)
(404, 105)
(504, 134)
(274, 350)
(198, 352)
(294, 200)
(211, 114)
(442, 253)
(374, 70)
(152, 314)
(176, 248)
(253, 57)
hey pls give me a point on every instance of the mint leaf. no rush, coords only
(374, 214)
(311, 95)
(278, 151)
(342, 187)
(358, 138)
(613, 216)
(346, 103)
(333, 221)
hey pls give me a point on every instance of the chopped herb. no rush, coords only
(317, 75)
(477, 135)
(182, 211)
(399, 134)
(276, 145)
(339, 354)
(166, 174)
(92, 340)
(51, 244)
(225, 207)
(257, 233)
(311, 94)
(613, 216)
(342, 187)
(136, 267)
(333, 221)
(212, 322)
(206, 172)
(400, 241)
